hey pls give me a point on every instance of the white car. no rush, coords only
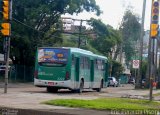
(112, 82)
(3, 68)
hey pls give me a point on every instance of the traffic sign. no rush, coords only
(135, 64)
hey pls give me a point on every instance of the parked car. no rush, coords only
(131, 81)
(3, 68)
(143, 82)
(112, 82)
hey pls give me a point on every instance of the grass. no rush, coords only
(157, 94)
(107, 104)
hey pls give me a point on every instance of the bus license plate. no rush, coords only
(50, 83)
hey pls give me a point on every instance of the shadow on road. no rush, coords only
(61, 92)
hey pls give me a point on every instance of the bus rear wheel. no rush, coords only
(81, 87)
(52, 90)
(101, 86)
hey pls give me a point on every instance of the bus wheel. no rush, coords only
(81, 87)
(101, 86)
(52, 90)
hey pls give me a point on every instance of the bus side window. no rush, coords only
(82, 62)
(99, 64)
(87, 63)
(95, 64)
(103, 65)
(73, 60)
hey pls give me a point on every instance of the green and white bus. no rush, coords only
(70, 68)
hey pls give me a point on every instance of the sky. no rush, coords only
(113, 11)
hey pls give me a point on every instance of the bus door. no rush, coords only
(76, 81)
(92, 73)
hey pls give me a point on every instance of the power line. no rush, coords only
(34, 28)
(27, 25)
(44, 32)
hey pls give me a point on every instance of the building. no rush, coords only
(67, 23)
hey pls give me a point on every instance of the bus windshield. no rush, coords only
(52, 56)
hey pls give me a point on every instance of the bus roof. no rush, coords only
(73, 49)
(102, 57)
(78, 50)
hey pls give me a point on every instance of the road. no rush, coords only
(27, 96)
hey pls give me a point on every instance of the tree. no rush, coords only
(107, 37)
(107, 40)
(35, 23)
(130, 30)
(117, 68)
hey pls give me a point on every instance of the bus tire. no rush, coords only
(101, 86)
(81, 87)
(52, 90)
(74, 91)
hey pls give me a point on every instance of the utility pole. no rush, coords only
(156, 57)
(7, 50)
(153, 35)
(6, 33)
(139, 77)
(152, 69)
(80, 30)
(79, 38)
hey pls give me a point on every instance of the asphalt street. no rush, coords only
(22, 97)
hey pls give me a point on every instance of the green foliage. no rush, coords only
(107, 104)
(36, 23)
(107, 37)
(144, 68)
(92, 49)
(117, 68)
(99, 27)
(130, 29)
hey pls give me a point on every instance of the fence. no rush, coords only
(19, 73)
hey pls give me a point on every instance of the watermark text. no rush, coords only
(134, 112)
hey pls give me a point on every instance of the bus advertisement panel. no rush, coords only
(51, 55)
